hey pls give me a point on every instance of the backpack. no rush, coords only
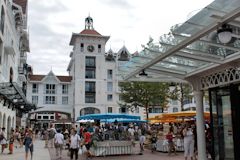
(51, 134)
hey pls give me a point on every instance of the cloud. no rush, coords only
(123, 4)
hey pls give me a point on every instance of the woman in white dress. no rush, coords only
(188, 142)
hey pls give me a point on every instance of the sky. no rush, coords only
(127, 22)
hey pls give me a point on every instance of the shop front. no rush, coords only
(225, 123)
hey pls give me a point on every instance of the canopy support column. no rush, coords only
(201, 139)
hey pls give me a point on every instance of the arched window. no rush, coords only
(89, 110)
(2, 20)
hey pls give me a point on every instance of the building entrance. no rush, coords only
(224, 110)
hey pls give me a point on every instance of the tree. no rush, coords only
(144, 94)
(181, 92)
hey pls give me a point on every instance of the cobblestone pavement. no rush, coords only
(148, 155)
(40, 153)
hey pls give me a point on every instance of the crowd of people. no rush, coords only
(79, 138)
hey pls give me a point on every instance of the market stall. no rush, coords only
(113, 140)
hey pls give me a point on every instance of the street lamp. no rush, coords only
(142, 73)
(224, 34)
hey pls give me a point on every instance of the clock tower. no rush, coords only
(89, 70)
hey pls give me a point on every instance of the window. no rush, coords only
(50, 89)
(109, 109)
(90, 73)
(50, 100)
(90, 98)
(35, 99)
(64, 89)
(155, 110)
(34, 88)
(82, 47)
(51, 117)
(90, 62)
(109, 97)
(109, 86)
(122, 110)
(175, 109)
(174, 102)
(90, 87)
(45, 117)
(2, 20)
(39, 117)
(64, 100)
(99, 48)
(109, 74)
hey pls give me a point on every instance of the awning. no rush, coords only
(107, 116)
(190, 48)
(123, 120)
(14, 97)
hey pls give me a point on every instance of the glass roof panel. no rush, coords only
(190, 57)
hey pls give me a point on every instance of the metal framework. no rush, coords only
(188, 51)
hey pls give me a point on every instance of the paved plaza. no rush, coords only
(41, 153)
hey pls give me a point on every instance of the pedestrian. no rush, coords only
(52, 132)
(153, 142)
(45, 137)
(74, 144)
(58, 143)
(141, 140)
(3, 139)
(188, 142)
(171, 145)
(87, 142)
(28, 142)
(11, 141)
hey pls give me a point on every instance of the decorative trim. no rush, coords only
(227, 76)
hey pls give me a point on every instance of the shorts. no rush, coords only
(142, 140)
(27, 148)
(87, 146)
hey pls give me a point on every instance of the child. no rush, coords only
(153, 142)
(11, 141)
(171, 146)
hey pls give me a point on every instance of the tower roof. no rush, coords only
(90, 32)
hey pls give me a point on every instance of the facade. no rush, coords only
(53, 97)
(94, 72)
(13, 67)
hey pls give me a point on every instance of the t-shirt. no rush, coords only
(169, 137)
(75, 139)
(87, 137)
(131, 131)
(59, 138)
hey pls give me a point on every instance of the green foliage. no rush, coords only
(181, 92)
(144, 94)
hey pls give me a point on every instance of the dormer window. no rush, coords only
(123, 56)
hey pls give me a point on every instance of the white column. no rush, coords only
(201, 142)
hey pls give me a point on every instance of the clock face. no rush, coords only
(90, 48)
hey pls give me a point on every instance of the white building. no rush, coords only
(53, 96)
(13, 67)
(94, 72)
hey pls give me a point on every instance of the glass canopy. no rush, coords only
(189, 48)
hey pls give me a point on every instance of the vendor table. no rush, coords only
(112, 148)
